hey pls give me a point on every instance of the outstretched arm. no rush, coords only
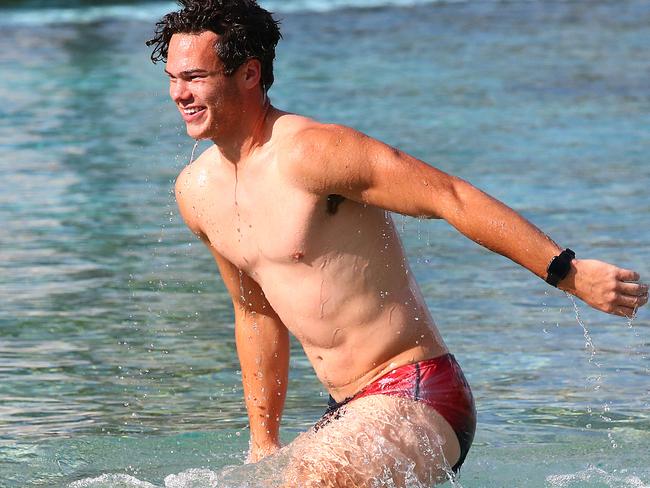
(326, 159)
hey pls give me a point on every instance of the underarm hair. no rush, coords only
(333, 202)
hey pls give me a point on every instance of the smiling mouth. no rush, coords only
(192, 113)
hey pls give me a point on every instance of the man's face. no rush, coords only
(206, 98)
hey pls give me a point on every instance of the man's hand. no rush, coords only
(605, 287)
(258, 452)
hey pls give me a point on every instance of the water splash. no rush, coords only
(386, 442)
(111, 481)
(589, 343)
(597, 380)
(196, 144)
(447, 468)
(322, 299)
(242, 295)
(631, 318)
(229, 477)
(236, 204)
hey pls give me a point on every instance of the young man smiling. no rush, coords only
(295, 213)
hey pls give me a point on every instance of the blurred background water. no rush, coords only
(116, 335)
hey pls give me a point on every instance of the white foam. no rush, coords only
(192, 478)
(592, 474)
(112, 481)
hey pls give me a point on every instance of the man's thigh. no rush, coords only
(378, 440)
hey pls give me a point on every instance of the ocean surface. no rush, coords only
(117, 360)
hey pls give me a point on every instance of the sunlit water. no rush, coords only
(117, 359)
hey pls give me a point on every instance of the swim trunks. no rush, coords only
(437, 382)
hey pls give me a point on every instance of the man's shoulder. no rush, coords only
(300, 132)
(189, 173)
(303, 144)
(199, 162)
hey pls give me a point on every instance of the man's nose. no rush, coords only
(179, 90)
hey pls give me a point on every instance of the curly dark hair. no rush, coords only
(246, 31)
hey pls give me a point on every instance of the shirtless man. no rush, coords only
(295, 213)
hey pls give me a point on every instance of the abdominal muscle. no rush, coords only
(368, 351)
(354, 323)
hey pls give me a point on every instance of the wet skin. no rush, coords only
(339, 282)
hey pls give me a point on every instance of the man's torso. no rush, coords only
(338, 280)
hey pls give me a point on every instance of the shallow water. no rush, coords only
(116, 337)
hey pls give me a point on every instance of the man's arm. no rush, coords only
(263, 350)
(262, 341)
(326, 159)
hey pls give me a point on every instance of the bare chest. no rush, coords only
(259, 219)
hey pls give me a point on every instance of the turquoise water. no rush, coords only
(116, 338)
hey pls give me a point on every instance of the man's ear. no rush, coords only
(252, 73)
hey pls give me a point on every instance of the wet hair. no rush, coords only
(246, 31)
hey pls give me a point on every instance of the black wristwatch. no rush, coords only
(559, 267)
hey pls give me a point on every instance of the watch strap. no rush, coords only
(559, 267)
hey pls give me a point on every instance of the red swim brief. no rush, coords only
(437, 382)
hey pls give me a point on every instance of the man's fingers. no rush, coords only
(628, 275)
(625, 312)
(632, 301)
(633, 289)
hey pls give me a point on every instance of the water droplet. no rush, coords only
(196, 143)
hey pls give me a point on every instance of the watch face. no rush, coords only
(561, 264)
(559, 267)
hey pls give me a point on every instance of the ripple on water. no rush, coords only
(596, 477)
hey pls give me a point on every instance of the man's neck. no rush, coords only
(250, 133)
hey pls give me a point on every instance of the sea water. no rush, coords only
(117, 356)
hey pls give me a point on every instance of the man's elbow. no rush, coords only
(453, 199)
